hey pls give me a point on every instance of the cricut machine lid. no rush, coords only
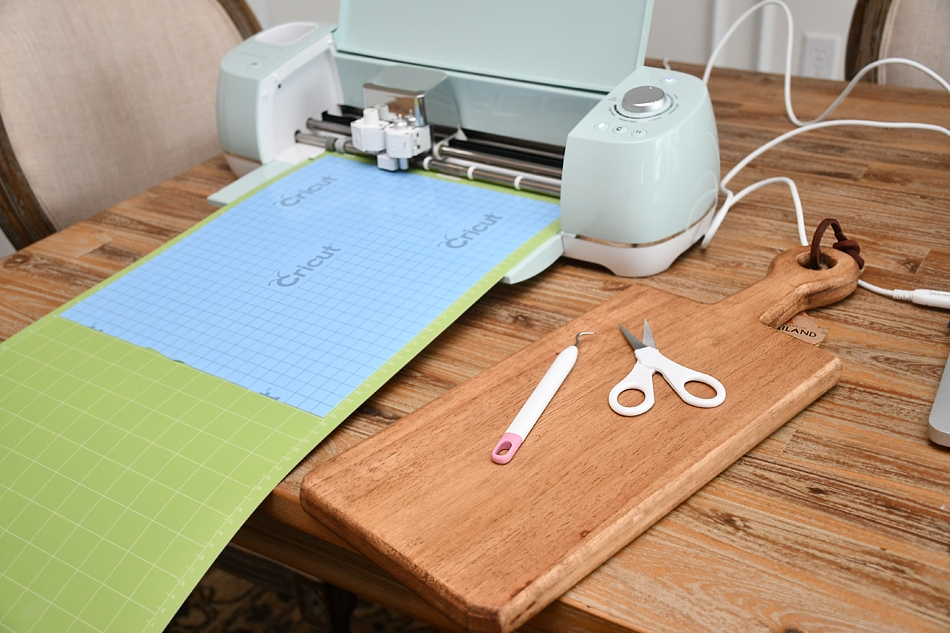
(591, 45)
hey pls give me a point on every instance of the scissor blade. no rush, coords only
(633, 340)
(648, 334)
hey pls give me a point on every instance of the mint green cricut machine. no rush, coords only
(549, 96)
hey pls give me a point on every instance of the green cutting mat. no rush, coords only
(123, 474)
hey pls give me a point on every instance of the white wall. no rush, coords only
(682, 30)
(688, 30)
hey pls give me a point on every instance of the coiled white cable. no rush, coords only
(732, 198)
(922, 297)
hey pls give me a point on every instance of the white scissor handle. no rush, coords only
(639, 379)
(679, 376)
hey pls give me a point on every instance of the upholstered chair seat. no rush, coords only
(102, 99)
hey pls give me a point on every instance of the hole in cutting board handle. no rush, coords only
(824, 262)
(790, 286)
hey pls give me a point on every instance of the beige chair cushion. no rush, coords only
(917, 30)
(103, 99)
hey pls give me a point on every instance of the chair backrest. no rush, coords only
(912, 29)
(102, 99)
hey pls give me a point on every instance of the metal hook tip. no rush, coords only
(577, 339)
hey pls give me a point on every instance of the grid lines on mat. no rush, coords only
(119, 469)
(303, 290)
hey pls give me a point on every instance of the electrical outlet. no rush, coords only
(819, 55)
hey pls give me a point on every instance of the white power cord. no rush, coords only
(933, 298)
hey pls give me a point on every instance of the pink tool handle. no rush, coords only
(506, 448)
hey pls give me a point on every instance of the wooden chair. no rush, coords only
(102, 99)
(913, 29)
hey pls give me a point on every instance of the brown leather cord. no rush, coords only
(843, 244)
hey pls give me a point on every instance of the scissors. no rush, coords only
(650, 361)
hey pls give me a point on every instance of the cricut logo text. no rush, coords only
(468, 235)
(303, 194)
(311, 265)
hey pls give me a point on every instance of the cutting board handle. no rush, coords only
(790, 286)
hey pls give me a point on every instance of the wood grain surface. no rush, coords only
(838, 521)
(493, 545)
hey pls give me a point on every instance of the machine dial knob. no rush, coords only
(643, 99)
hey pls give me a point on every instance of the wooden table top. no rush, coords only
(840, 521)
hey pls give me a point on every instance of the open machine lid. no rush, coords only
(589, 45)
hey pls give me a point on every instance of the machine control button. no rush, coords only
(644, 99)
(620, 129)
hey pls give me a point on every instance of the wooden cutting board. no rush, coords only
(491, 545)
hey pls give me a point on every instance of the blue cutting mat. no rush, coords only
(304, 290)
